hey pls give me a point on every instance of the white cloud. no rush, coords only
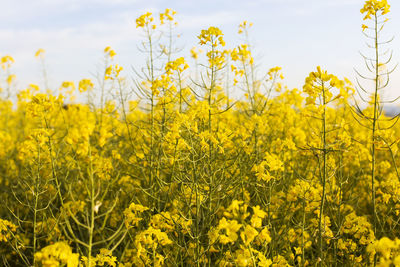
(71, 52)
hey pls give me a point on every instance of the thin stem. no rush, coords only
(324, 151)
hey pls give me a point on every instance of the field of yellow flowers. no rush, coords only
(175, 172)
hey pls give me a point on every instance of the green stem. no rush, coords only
(324, 151)
(374, 124)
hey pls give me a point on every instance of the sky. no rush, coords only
(297, 35)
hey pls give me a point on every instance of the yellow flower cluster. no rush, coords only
(273, 72)
(230, 227)
(6, 61)
(109, 52)
(146, 245)
(112, 72)
(145, 20)
(131, 214)
(68, 84)
(167, 221)
(253, 235)
(162, 83)
(194, 52)
(39, 53)
(178, 64)
(213, 36)
(167, 15)
(372, 7)
(6, 230)
(105, 257)
(85, 85)
(319, 84)
(387, 250)
(242, 53)
(57, 254)
(43, 103)
(244, 26)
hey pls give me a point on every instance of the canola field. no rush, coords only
(174, 171)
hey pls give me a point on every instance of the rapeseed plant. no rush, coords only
(176, 172)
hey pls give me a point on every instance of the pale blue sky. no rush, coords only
(297, 35)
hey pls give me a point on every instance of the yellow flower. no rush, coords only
(231, 228)
(6, 61)
(178, 64)
(168, 15)
(319, 84)
(84, 85)
(372, 7)
(244, 26)
(39, 52)
(105, 256)
(258, 215)
(60, 253)
(109, 52)
(195, 52)
(112, 72)
(212, 35)
(35, 87)
(6, 228)
(248, 234)
(144, 20)
(131, 214)
(67, 84)
(11, 78)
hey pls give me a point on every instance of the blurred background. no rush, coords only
(297, 35)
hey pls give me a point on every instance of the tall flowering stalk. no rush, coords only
(374, 12)
(216, 56)
(319, 85)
